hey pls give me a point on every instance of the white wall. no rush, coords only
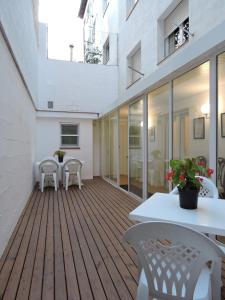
(142, 26)
(106, 22)
(75, 86)
(17, 123)
(48, 141)
(17, 18)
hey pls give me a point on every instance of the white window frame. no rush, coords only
(181, 37)
(68, 146)
(171, 18)
(131, 73)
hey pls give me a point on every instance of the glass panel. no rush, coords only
(113, 146)
(191, 114)
(70, 140)
(105, 146)
(158, 139)
(221, 126)
(136, 148)
(123, 132)
(69, 129)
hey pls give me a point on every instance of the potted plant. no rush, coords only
(60, 155)
(183, 174)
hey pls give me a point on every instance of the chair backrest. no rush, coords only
(72, 166)
(172, 257)
(221, 172)
(48, 166)
(208, 188)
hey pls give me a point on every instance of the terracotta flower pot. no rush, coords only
(188, 198)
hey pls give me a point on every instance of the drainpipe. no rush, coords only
(71, 51)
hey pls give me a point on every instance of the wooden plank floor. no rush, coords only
(67, 245)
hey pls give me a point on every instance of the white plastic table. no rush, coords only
(209, 217)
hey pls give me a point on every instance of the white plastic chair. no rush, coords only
(48, 168)
(208, 188)
(71, 168)
(175, 262)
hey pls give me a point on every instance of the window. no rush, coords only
(91, 35)
(130, 6)
(178, 37)
(134, 65)
(176, 28)
(190, 124)
(106, 52)
(221, 126)
(69, 135)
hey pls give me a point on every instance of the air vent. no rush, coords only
(50, 104)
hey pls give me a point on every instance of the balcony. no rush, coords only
(67, 245)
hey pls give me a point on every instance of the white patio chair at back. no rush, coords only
(71, 168)
(208, 188)
(48, 168)
(175, 262)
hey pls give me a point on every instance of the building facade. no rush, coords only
(170, 90)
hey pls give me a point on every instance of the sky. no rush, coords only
(64, 28)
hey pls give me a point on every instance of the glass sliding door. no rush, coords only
(123, 146)
(136, 148)
(158, 139)
(113, 145)
(191, 114)
(105, 147)
(221, 126)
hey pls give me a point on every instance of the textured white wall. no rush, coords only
(17, 123)
(75, 86)
(17, 18)
(48, 141)
(142, 26)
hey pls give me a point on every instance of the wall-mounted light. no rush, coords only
(205, 110)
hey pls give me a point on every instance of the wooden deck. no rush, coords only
(67, 245)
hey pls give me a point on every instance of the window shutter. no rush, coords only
(170, 44)
(176, 17)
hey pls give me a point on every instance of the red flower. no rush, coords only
(182, 178)
(169, 175)
(201, 163)
(210, 172)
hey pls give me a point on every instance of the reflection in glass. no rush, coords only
(158, 139)
(221, 126)
(113, 144)
(136, 148)
(105, 146)
(123, 148)
(190, 120)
